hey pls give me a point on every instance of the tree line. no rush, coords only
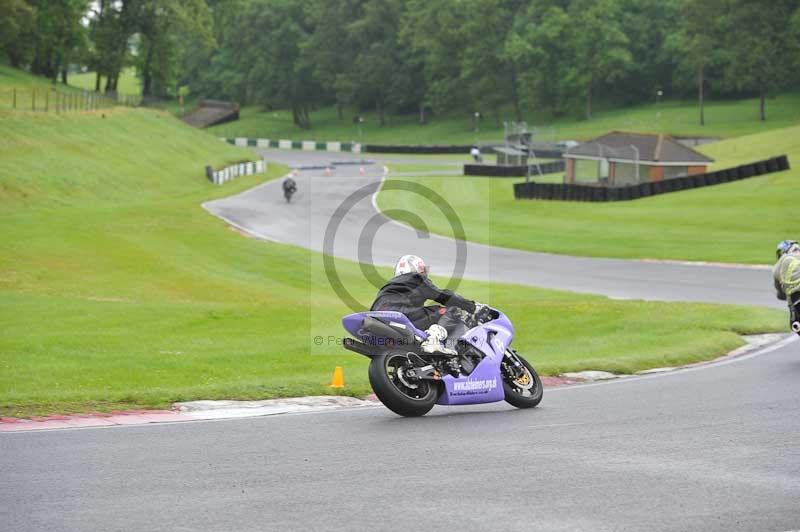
(473, 57)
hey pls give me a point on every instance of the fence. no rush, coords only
(491, 170)
(570, 192)
(58, 100)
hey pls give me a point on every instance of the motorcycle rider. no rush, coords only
(408, 291)
(786, 274)
(289, 187)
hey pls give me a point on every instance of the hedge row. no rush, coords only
(492, 170)
(566, 192)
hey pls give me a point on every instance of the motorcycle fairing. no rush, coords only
(353, 322)
(485, 383)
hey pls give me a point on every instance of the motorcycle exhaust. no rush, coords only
(796, 326)
(383, 330)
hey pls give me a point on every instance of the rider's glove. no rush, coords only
(480, 308)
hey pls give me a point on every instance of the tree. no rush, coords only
(17, 37)
(432, 32)
(59, 36)
(599, 45)
(538, 46)
(487, 72)
(376, 65)
(329, 49)
(648, 25)
(273, 32)
(698, 42)
(164, 28)
(112, 24)
(213, 70)
(762, 48)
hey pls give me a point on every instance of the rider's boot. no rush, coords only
(435, 341)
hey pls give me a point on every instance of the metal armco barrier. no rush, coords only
(564, 192)
(286, 144)
(220, 177)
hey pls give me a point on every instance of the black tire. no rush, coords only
(516, 397)
(394, 394)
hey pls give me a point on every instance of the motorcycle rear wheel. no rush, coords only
(526, 391)
(400, 395)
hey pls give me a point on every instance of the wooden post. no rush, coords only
(33, 99)
(47, 101)
(14, 104)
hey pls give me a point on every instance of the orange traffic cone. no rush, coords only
(328, 171)
(338, 378)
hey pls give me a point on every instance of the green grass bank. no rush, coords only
(117, 290)
(728, 118)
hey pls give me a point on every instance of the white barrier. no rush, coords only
(226, 174)
(285, 144)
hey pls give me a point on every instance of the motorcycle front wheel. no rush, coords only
(525, 390)
(400, 394)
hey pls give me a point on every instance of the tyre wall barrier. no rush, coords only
(548, 154)
(222, 176)
(412, 148)
(492, 170)
(449, 149)
(285, 144)
(571, 192)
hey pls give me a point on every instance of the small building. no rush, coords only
(619, 159)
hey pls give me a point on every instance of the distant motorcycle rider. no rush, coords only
(408, 291)
(786, 274)
(289, 188)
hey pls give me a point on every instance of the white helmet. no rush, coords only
(410, 264)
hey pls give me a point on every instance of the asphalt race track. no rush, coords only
(262, 211)
(711, 448)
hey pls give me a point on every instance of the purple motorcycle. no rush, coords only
(409, 381)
